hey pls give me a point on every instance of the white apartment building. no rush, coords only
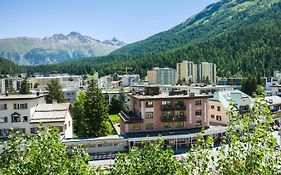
(66, 81)
(196, 72)
(2, 86)
(24, 113)
(161, 76)
(55, 115)
(186, 70)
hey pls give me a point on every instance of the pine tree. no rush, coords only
(78, 114)
(95, 111)
(55, 92)
(25, 87)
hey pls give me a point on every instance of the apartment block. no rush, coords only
(204, 72)
(24, 113)
(161, 76)
(152, 111)
(186, 70)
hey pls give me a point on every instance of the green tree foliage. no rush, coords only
(42, 154)
(95, 111)
(199, 159)
(78, 113)
(25, 87)
(252, 150)
(249, 85)
(55, 92)
(150, 159)
(114, 106)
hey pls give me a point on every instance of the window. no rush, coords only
(219, 108)
(212, 116)
(179, 124)
(20, 106)
(198, 123)
(15, 118)
(149, 126)
(3, 120)
(136, 127)
(179, 113)
(149, 115)
(165, 103)
(149, 104)
(25, 119)
(33, 130)
(218, 118)
(198, 112)
(212, 107)
(197, 102)
(69, 123)
(166, 125)
(3, 107)
(65, 127)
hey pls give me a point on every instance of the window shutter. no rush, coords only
(6, 119)
(5, 106)
(25, 105)
(15, 106)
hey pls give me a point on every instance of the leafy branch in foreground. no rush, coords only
(42, 154)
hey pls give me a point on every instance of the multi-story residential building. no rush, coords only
(105, 82)
(161, 76)
(55, 115)
(206, 72)
(24, 113)
(2, 86)
(197, 72)
(152, 111)
(16, 112)
(66, 81)
(186, 70)
(70, 94)
(128, 80)
(276, 90)
(220, 103)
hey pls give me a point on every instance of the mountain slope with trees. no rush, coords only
(241, 36)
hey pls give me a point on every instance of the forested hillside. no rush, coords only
(240, 36)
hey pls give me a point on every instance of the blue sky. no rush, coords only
(127, 20)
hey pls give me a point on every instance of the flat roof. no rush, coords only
(106, 138)
(176, 134)
(166, 96)
(21, 96)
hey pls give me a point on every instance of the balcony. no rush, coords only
(179, 107)
(166, 108)
(130, 117)
(167, 118)
(170, 118)
(179, 118)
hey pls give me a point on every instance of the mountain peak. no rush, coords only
(114, 41)
(74, 34)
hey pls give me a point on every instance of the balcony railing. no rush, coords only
(130, 117)
(170, 118)
(166, 107)
(179, 107)
(172, 107)
(179, 118)
(167, 118)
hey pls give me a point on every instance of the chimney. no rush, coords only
(7, 93)
(37, 94)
